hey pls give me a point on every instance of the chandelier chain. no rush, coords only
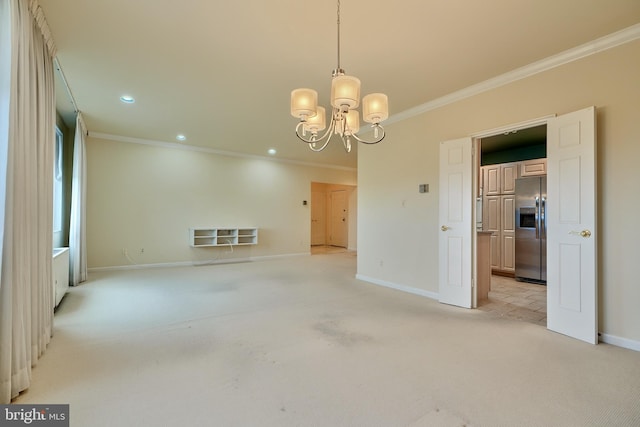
(338, 22)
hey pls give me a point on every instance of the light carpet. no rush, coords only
(300, 342)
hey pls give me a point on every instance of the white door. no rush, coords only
(455, 222)
(571, 220)
(318, 218)
(338, 233)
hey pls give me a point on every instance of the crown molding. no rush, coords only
(208, 150)
(609, 41)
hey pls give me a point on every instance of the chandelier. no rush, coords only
(345, 119)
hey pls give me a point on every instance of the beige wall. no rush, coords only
(144, 198)
(398, 227)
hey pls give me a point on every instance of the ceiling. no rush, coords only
(221, 73)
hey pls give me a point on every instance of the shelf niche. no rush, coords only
(207, 237)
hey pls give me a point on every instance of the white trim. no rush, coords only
(620, 342)
(408, 289)
(609, 41)
(194, 263)
(182, 146)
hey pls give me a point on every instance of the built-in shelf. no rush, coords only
(203, 237)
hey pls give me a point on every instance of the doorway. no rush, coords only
(572, 264)
(333, 213)
(506, 159)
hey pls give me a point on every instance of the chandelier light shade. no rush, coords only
(317, 122)
(304, 103)
(344, 118)
(345, 92)
(353, 122)
(375, 108)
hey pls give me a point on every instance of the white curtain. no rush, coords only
(27, 141)
(77, 231)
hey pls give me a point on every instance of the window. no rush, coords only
(57, 183)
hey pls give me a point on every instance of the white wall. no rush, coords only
(398, 227)
(144, 198)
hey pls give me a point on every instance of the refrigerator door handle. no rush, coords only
(537, 217)
(543, 218)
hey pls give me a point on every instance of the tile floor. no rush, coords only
(512, 299)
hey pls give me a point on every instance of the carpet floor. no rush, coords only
(300, 342)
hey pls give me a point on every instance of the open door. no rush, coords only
(571, 218)
(456, 223)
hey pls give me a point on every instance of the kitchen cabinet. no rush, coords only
(499, 219)
(507, 233)
(498, 187)
(499, 179)
(534, 167)
(484, 268)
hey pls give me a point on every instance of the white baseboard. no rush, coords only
(620, 342)
(403, 288)
(604, 338)
(194, 263)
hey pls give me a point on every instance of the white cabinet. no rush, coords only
(60, 274)
(215, 236)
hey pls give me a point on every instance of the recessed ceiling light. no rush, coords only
(272, 151)
(181, 137)
(127, 99)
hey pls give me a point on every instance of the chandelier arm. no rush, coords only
(318, 149)
(310, 140)
(375, 141)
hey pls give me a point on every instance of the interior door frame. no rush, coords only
(477, 137)
(476, 165)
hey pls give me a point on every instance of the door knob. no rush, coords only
(583, 233)
(444, 228)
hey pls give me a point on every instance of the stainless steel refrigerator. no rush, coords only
(531, 229)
